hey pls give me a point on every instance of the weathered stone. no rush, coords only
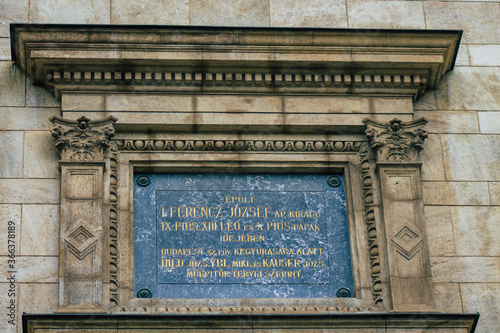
(427, 102)
(465, 269)
(439, 231)
(4, 49)
(450, 121)
(40, 222)
(142, 103)
(38, 297)
(478, 20)
(10, 213)
(483, 298)
(68, 11)
(230, 12)
(12, 12)
(471, 157)
(476, 230)
(30, 191)
(495, 193)
(11, 152)
(37, 269)
(317, 13)
(484, 55)
(237, 104)
(385, 14)
(448, 298)
(40, 155)
(432, 159)
(80, 102)
(456, 193)
(150, 12)
(37, 96)
(489, 122)
(326, 105)
(470, 88)
(11, 85)
(26, 119)
(462, 56)
(392, 105)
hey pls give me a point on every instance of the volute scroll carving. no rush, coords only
(82, 139)
(396, 141)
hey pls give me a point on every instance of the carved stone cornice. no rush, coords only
(221, 59)
(82, 140)
(396, 141)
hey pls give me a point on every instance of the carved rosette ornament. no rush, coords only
(83, 139)
(396, 141)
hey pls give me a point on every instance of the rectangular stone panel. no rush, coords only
(240, 236)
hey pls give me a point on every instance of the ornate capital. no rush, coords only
(396, 141)
(82, 139)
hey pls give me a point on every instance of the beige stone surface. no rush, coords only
(238, 104)
(470, 88)
(40, 230)
(254, 13)
(317, 13)
(447, 297)
(82, 102)
(495, 193)
(69, 11)
(10, 213)
(477, 230)
(12, 12)
(138, 102)
(150, 12)
(462, 56)
(483, 298)
(450, 121)
(326, 105)
(30, 191)
(11, 85)
(439, 230)
(4, 48)
(465, 269)
(471, 157)
(392, 105)
(11, 154)
(5, 300)
(489, 122)
(40, 155)
(38, 297)
(484, 55)
(427, 102)
(432, 158)
(477, 20)
(385, 14)
(26, 119)
(37, 269)
(38, 96)
(456, 193)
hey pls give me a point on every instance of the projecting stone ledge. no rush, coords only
(243, 60)
(363, 323)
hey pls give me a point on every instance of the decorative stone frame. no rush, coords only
(82, 65)
(316, 155)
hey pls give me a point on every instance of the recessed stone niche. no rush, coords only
(169, 100)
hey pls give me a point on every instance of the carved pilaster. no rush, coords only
(396, 145)
(83, 232)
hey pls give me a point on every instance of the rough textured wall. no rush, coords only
(461, 162)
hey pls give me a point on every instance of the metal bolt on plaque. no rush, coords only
(144, 293)
(143, 181)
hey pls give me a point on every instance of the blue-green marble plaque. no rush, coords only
(241, 236)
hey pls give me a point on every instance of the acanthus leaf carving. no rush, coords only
(396, 141)
(82, 139)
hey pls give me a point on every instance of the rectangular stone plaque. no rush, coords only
(240, 236)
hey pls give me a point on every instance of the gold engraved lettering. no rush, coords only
(172, 263)
(282, 274)
(239, 199)
(306, 227)
(242, 238)
(281, 262)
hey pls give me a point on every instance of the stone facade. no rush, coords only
(460, 172)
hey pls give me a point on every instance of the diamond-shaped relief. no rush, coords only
(407, 242)
(80, 242)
